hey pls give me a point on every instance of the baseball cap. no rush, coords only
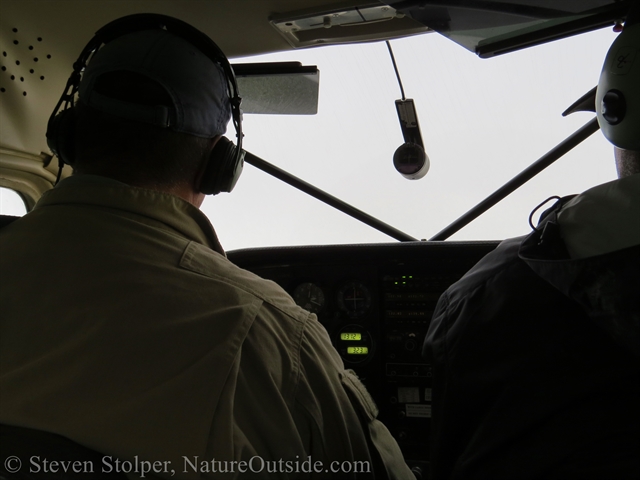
(197, 86)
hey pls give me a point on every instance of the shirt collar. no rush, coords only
(94, 190)
(602, 219)
(88, 179)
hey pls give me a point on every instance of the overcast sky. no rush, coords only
(482, 121)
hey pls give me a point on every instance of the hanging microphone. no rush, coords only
(410, 159)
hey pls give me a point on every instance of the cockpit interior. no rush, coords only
(374, 296)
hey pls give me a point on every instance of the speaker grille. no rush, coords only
(23, 62)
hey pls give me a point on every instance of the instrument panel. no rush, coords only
(376, 302)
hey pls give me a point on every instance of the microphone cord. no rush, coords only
(395, 67)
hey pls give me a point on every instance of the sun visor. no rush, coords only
(285, 88)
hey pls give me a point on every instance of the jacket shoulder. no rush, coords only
(204, 261)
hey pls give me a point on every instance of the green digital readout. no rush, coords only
(350, 336)
(357, 350)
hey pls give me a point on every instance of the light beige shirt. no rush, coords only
(125, 328)
(603, 219)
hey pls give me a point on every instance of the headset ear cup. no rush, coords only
(61, 135)
(223, 168)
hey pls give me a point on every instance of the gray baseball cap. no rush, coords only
(198, 87)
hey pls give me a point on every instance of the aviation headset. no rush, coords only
(226, 159)
(618, 92)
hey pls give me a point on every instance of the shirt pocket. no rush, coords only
(360, 397)
(387, 459)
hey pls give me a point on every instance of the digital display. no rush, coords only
(357, 350)
(350, 336)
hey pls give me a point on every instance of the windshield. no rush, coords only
(482, 122)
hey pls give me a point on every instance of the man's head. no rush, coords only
(133, 152)
(618, 92)
(152, 103)
(618, 96)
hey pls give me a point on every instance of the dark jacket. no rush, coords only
(536, 371)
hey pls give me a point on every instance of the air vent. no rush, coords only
(23, 63)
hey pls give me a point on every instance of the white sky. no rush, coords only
(482, 121)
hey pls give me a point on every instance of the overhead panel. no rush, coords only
(344, 24)
(490, 28)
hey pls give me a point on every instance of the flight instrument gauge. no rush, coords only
(354, 344)
(354, 298)
(309, 296)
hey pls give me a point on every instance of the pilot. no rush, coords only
(140, 340)
(536, 349)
